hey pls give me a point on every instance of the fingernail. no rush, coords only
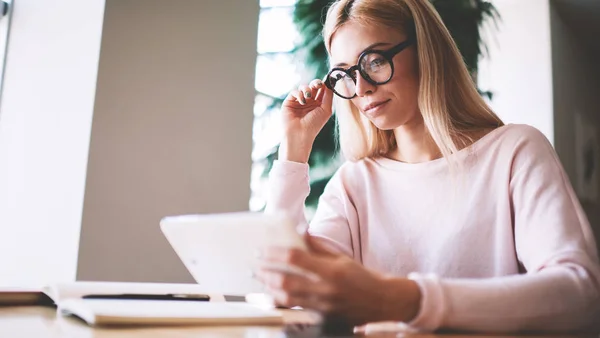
(308, 94)
(303, 101)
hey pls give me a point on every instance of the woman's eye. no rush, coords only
(377, 63)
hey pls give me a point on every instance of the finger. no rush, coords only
(295, 96)
(320, 92)
(322, 87)
(315, 84)
(306, 301)
(326, 99)
(307, 92)
(281, 281)
(293, 257)
(294, 283)
(319, 95)
(284, 300)
(301, 97)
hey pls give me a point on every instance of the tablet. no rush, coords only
(220, 250)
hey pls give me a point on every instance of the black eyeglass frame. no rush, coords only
(387, 54)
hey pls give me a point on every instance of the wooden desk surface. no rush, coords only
(43, 322)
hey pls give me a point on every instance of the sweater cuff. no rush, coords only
(286, 168)
(433, 303)
(288, 188)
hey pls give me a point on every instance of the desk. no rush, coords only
(43, 322)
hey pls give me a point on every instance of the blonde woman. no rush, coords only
(443, 217)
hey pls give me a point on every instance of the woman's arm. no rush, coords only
(555, 245)
(303, 114)
(288, 189)
(557, 298)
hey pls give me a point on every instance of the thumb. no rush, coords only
(327, 103)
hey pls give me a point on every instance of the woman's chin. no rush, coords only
(382, 123)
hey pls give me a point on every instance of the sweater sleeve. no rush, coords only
(554, 243)
(288, 188)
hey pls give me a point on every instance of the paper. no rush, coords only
(151, 312)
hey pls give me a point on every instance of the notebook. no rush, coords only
(71, 299)
(55, 293)
(218, 250)
(104, 312)
(10, 296)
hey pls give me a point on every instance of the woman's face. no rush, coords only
(390, 105)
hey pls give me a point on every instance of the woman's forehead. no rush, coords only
(351, 39)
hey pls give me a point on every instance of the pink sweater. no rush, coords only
(501, 246)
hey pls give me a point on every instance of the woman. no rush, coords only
(443, 217)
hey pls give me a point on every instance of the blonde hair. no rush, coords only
(448, 100)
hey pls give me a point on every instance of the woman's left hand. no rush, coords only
(335, 284)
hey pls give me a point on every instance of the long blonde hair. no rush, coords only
(448, 100)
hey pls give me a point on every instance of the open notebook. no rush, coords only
(55, 293)
(102, 312)
(69, 300)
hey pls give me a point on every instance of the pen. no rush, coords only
(169, 296)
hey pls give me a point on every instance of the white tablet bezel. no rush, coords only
(220, 250)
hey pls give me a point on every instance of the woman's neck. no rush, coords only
(414, 145)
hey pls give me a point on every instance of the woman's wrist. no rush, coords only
(295, 150)
(402, 300)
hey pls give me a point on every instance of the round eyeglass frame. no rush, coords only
(387, 54)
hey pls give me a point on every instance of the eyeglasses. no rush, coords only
(375, 66)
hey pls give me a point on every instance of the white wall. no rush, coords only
(518, 69)
(45, 120)
(541, 74)
(172, 130)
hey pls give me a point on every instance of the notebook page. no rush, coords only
(152, 312)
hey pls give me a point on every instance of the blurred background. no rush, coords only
(116, 113)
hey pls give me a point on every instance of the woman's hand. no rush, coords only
(337, 286)
(304, 113)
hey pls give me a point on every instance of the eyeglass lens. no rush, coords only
(374, 67)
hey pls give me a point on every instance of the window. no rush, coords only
(276, 74)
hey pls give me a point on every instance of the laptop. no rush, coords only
(220, 250)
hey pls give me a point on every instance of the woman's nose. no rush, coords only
(363, 87)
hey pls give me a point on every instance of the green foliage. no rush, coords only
(464, 20)
(309, 16)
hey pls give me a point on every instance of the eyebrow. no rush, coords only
(376, 44)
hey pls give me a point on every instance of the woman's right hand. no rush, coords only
(304, 113)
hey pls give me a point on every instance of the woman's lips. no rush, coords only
(375, 107)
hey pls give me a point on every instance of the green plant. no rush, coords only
(463, 18)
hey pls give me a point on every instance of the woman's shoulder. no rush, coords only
(522, 132)
(351, 169)
(513, 138)
(354, 174)
(503, 143)
(518, 146)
